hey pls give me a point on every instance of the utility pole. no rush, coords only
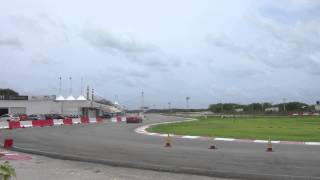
(92, 97)
(187, 101)
(116, 98)
(284, 104)
(70, 90)
(88, 93)
(142, 101)
(169, 103)
(60, 85)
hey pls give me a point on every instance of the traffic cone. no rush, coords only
(269, 147)
(168, 141)
(211, 144)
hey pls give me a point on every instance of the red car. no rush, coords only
(134, 119)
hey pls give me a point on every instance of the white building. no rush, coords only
(272, 109)
(49, 105)
(239, 110)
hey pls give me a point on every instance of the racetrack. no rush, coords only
(117, 144)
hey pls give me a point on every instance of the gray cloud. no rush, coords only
(289, 45)
(108, 41)
(44, 60)
(12, 42)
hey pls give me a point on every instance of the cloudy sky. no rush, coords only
(212, 51)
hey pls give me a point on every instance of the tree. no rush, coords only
(7, 171)
(8, 92)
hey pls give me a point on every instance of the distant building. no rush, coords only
(317, 107)
(239, 110)
(50, 105)
(272, 109)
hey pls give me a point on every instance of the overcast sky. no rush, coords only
(212, 51)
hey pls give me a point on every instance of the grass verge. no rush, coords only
(277, 128)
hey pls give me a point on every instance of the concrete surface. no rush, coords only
(117, 144)
(39, 168)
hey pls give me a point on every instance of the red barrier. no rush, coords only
(14, 125)
(99, 119)
(67, 121)
(84, 119)
(8, 143)
(118, 118)
(41, 123)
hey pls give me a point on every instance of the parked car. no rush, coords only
(9, 117)
(56, 116)
(36, 117)
(107, 116)
(134, 119)
(73, 116)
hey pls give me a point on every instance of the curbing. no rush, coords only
(143, 130)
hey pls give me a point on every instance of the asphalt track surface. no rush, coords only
(117, 144)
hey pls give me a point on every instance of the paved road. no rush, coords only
(118, 144)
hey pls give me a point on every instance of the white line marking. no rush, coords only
(224, 139)
(260, 141)
(313, 143)
(190, 137)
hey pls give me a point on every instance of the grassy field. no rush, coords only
(278, 128)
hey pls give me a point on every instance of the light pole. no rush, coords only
(284, 104)
(187, 101)
(142, 101)
(169, 103)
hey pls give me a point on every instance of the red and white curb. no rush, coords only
(143, 130)
(13, 156)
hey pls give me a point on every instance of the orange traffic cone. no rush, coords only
(269, 147)
(168, 141)
(211, 144)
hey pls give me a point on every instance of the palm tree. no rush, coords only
(6, 171)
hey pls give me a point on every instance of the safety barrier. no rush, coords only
(4, 125)
(51, 122)
(58, 122)
(25, 124)
(76, 121)
(113, 119)
(67, 121)
(41, 123)
(304, 114)
(14, 125)
(84, 120)
(92, 120)
(99, 119)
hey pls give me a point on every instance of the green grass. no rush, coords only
(277, 128)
